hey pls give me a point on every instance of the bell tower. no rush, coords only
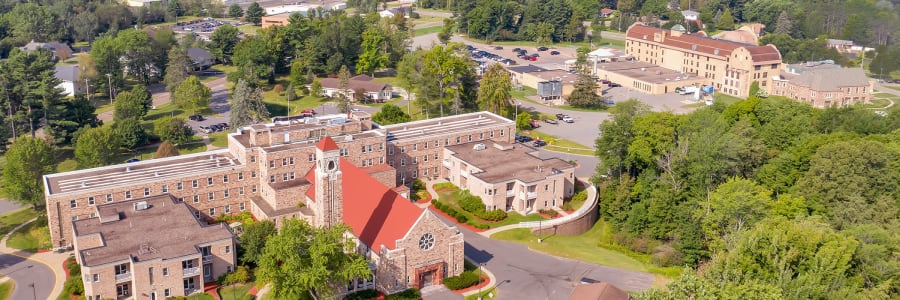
(329, 195)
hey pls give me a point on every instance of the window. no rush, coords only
(196, 198)
(209, 181)
(122, 290)
(391, 163)
(492, 134)
(402, 162)
(197, 214)
(165, 271)
(436, 156)
(284, 162)
(481, 136)
(271, 178)
(312, 156)
(96, 277)
(227, 249)
(415, 160)
(212, 212)
(211, 196)
(415, 173)
(501, 132)
(292, 176)
(90, 200)
(226, 193)
(253, 189)
(380, 146)
(437, 143)
(390, 150)
(228, 269)
(271, 164)
(146, 191)
(415, 147)
(167, 293)
(425, 158)
(370, 148)
(74, 218)
(108, 198)
(241, 191)
(127, 194)
(165, 188)
(252, 158)
(458, 139)
(227, 211)
(253, 174)
(241, 207)
(194, 183)
(363, 148)
(291, 160)
(446, 142)
(284, 176)
(402, 149)
(224, 178)
(179, 186)
(470, 137)
(345, 152)
(381, 160)
(150, 274)
(425, 172)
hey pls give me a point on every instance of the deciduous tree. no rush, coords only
(130, 132)
(96, 147)
(494, 92)
(247, 106)
(27, 161)
(235, 11)
(192, 95)
(253, 240)
(222, 42)
(173, 129)
(178, 69)
(390, 114)
(372, 55)
(254, 14)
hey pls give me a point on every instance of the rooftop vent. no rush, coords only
(127, 169)
(83, 184)
(479, 147)
(156, 174)
(348, 138)
(716, 52)
(694, 47)
(142, 205)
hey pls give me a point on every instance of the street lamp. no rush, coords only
(33, 293)
(480, 272)
(109, 79)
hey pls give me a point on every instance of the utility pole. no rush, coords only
(109, 77)
(87, 86)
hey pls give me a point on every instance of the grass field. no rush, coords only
(12, 219)
(558, 144)
(219, 139)
(427, 30)
(203, 296)
(31, 237)
(6, 289)
(234, 292)
(451, 196)
(587, 247)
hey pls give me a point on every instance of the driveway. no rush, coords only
(26, 272)
(8, 206)
(525, 274)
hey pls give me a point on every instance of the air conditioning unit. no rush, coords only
(478, 147)
(141, 205)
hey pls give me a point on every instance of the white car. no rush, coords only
(568, 119)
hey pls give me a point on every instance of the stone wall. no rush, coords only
(574, 227)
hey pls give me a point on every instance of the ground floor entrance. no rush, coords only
(429, 275)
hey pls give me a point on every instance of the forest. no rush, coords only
(762, 199)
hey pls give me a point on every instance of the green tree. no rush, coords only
(85, 26)
(247, 106)
(494, 92)
(173, 129)
(222, 42)
(166, 149)
(192, 95)
(734, 206)
(303, 260)
(132, 104)
(254, 14)
(106, 52)
(136, 57)
(372, 56)
(131, 133)
(784, 24)
(447, 31)
(316, 88)
(178, 69)
(442, 66)
(27, 161)
(523, 121)
(344, 100)
(726, 21)
(253, 240)
(616, 136)
(96, 147)
(235, 11)
(390, 114)
(585, 93)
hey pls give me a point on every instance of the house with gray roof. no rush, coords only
(69, 77)
(201, 58)
(60, 51)
(823, 84)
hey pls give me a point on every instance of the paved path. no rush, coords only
(43, 270)
(160, 96)
(8, 206)
(525, 274)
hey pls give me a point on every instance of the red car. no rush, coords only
(532, 58)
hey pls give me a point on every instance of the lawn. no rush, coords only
(587, 247)
(427, 30)
(12, 219)
(6, 289)
(234, 292)
(31, 237)
(559, 144)
(488, 294)
(221, 68)
(880, 102)
(219, 139)
(526, 92)
(202, 296)
(249, 29)
(727, 99)
(896, 88)
(450, 196)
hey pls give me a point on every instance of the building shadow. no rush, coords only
(477, 255)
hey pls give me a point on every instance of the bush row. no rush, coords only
(492, 215)
(464, 280)
(470, 203)
(410, 294)
(449, 210)
(549, 212)
(580, 196)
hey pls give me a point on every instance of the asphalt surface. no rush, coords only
(525, 274)
(8, 206)
(26, 272)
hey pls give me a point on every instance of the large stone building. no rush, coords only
(730, 67)
(270, 169)
(510, 176)
(149, 248)
(824, 84)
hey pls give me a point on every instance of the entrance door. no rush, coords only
(426, 279)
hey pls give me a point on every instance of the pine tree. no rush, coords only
(344, 101)
(254, 14)
(178, 68)
(585, 93)
(784, 24)
(235, 11)
(247, 105)
(726, 21)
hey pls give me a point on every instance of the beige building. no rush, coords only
(282, 19)
(532, 76)
(269, 170)
(509, 176)
(149, 248)
(729, 66)
(824, 84)
(646, 77)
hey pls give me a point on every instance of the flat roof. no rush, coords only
(164, 230)
(152, 170)
(563, 76)
(512, 162)
(646, 72)
(526, 69)
(441, 126)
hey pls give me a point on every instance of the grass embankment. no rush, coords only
(427, 30)
(31, 237)
(451, 196)
(235, 292)
(12, 219)
(6, 289)
(559, 144)
(593, 246)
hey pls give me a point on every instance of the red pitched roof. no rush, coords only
(703, 44)
(327, 144)
(377, 214)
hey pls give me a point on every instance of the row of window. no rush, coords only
(73, 203)
(437, 143)
(415, 160)
(415, 173)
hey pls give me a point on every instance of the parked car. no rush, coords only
(516, 49)
(532, 58)
(197, 118)
(613, 84)
(568, 119)
(535, 124)
(214, 128)
(560, 116)
(498, 48)
(223, 125)
(205, 129)
(539, 143)
(133, 160)
(609, 102)
(551, 121)
(554, 52)
(523, 138)
(542, 48)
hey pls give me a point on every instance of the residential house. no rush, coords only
(201, 58)
(68, 75)
(391, 12)
(607, 12)
(282, 19)
(60, 51)
(141, 3)
(824, 84)
(374, 91)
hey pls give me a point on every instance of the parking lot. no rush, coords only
(202, 27)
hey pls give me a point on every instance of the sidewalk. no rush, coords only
(52, 260)
(492, 282)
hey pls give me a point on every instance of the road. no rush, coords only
(26, 272)
(8, 206)
(525, 274)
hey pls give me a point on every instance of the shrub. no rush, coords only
(74, 286)
(492, 215)
(481, 226)
(418, 185)
(461, 218)
(470, 203)
(549, 212)
(74, 268)
(567, 206)
(445, 185)
(362, 295)
(464, 280)
(278, 88)
(580, 196)
(410, 294)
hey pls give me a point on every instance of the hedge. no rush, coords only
(470, 203)
(362, 295)
(580, 196)
(444, 185)
(461, 218)
(549, 212)
(464, 280)
(410, 294)
(492, 215)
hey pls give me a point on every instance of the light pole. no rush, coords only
(33, 293)
(480, 272)
(540, 228)
(109, 79)
(87, 86)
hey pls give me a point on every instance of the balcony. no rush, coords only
(207, 258)
(446, 163)
(120, 278)
(188, 272)
(531, 195)
(189, 291)
(510, 193)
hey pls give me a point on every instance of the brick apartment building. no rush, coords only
(269, 169)
(824, 84)
(729, 66)
(509, 176)
(151, 248)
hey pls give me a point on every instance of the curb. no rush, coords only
(492, 283)
(57, 285)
